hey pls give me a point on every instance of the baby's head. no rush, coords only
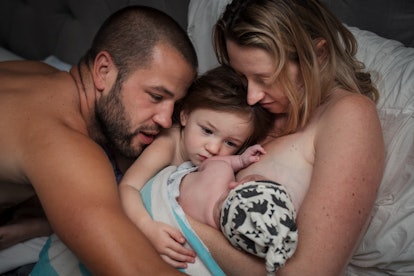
(259, 217)
(222, 90)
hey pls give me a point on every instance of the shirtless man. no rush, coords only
(54, 123)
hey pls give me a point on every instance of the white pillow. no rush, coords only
(57, 63)
(387, 247)
(202, 16)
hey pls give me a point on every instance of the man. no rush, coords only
(54, 124)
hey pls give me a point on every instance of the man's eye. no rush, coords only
(156, 97)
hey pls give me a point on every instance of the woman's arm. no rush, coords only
(348, 167)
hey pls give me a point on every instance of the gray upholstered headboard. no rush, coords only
(35, 29)
(392, 19)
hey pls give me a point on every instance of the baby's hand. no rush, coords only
(169, 242)
(251, 155)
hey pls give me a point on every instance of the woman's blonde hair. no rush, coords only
(290, 30)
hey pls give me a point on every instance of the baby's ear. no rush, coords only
(322, 51)
(183, 117)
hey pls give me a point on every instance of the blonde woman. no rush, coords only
(326, 146)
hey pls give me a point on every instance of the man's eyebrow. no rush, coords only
(164, 91)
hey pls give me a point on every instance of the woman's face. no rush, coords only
(257, 68)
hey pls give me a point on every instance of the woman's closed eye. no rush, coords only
(263, 81)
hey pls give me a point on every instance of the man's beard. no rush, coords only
(115, 123)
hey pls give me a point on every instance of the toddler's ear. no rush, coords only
(183, 117)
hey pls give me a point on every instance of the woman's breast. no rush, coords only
(288, 161)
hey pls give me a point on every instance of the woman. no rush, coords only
(326, 147)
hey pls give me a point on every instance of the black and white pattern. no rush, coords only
(259, 217)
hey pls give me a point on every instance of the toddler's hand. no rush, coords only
(169, 242)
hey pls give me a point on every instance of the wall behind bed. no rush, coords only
(36, 29)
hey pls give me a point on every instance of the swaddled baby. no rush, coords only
(259, 217)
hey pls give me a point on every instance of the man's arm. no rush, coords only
(76, 185)
(231, 260)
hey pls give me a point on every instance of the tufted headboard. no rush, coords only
(36, 29)
(392, 19)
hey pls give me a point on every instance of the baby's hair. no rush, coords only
(222, 89)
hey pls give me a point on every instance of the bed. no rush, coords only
(60, 31)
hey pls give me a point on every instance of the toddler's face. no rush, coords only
(208, 133)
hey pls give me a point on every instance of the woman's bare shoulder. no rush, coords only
(343, 101)
(348, 110)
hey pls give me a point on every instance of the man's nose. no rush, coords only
(164, 117)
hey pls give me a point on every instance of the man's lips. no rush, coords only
(147, 138)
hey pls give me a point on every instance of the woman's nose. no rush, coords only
(254, 94)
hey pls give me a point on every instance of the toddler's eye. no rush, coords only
(232, 144)
(206, 130)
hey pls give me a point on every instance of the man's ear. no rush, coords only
(104, 71)
(183, 117)
(322, 51)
